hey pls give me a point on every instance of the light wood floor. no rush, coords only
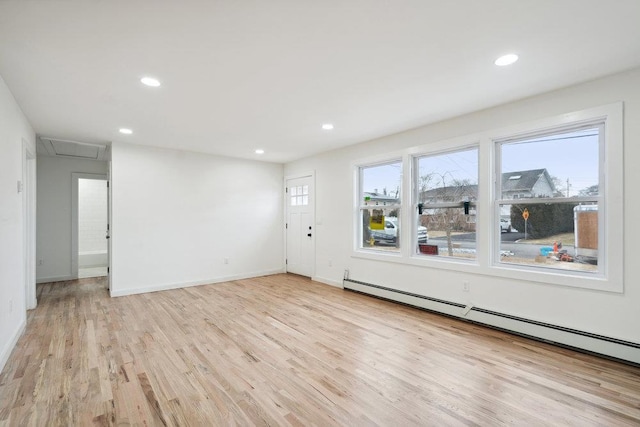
(282, 350)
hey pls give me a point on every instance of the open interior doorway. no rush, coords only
(90, 257)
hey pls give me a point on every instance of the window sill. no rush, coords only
(419, 260)
(577, 279)
(518, 273)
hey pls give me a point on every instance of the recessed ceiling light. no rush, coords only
(506, 60)
(150, 81)
(327, 126)
(126, 131)
(259, 151)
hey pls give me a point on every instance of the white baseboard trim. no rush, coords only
(6, 351)
(54, 279)
(590, 342)
(168, 286)
(327, 281)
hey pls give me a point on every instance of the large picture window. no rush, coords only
(548, 200)
(379, 206)
(538, 202)
(447, 191)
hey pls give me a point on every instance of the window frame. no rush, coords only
(611, 203)
(598, 199)
(609, 199)
(360, 207)
(415, 199)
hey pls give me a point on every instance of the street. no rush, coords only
(466, 243)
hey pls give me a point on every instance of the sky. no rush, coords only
(572, 156)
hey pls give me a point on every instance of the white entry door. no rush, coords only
(300, 226)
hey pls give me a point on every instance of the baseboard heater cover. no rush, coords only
(626, 351)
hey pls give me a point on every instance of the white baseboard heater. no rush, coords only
(625, 351)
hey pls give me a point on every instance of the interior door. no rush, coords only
(300, 226)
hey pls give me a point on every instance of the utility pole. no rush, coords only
(568, 186)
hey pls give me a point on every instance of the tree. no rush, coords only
(589, 191)
(447, 189)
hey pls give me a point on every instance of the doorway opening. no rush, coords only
(90, 255)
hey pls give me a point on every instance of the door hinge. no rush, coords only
(286, 261)
(286, 189)
(107, 184)
(286, 226)
(108, 270)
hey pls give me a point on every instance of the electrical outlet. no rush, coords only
(226, 260)
(465, 286)
(40, 262)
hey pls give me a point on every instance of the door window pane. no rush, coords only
(300, 195)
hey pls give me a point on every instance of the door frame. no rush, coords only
(312, 196)
(28, 189)
(75, 177)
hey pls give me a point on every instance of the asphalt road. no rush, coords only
(508, 243)
(506, 237)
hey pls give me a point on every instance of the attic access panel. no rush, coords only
(74, 149)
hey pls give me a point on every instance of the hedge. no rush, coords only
(544, 219)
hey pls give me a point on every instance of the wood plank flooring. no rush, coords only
(282, 350)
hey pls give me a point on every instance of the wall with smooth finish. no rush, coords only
(14, 129)
(610, 314)
(53, 247)
(183, 219)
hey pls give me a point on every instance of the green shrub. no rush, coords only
(544, 219)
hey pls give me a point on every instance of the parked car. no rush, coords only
(505, 225)
(389, 236)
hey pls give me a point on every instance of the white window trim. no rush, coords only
(487, 232)
(379, 160)
(610, 278)
(454, 146)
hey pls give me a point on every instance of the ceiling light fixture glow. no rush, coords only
(259, 151)
(327, 126)
(126, 131)
(150, 81)
(506, 60)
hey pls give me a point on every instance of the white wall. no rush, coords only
(178, 215)
(610, 314)
(14, 128)
(53, 245)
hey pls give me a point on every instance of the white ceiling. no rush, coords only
(246, 74)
